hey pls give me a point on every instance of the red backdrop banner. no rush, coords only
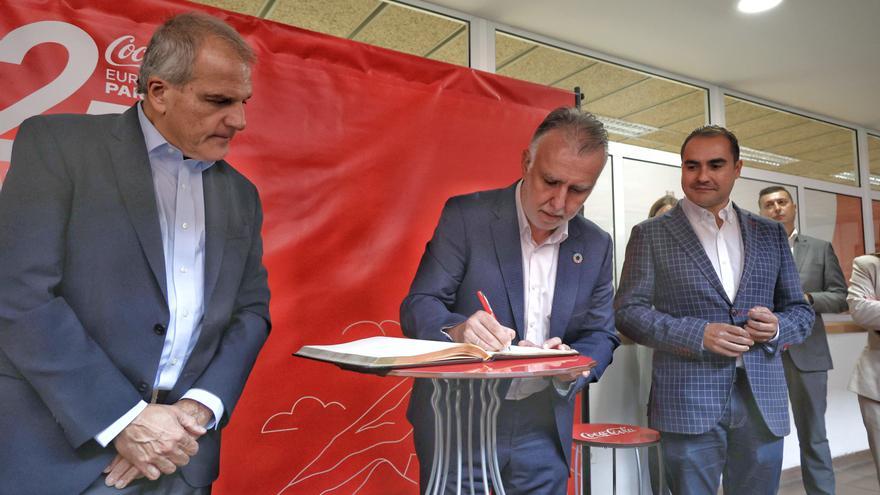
(354, 150)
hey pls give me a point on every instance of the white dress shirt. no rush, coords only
(723, 245)
(177, 182)
(539, 283)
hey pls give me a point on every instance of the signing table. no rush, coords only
(456, 386)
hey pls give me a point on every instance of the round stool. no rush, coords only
(614, 436)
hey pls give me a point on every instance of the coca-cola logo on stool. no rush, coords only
(607, 432)
(123, 52)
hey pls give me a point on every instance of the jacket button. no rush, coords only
(733, 312)
(159, 329)
(142, 387)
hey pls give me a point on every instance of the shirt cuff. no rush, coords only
(563, 388)
(208, 400)
(105, 437)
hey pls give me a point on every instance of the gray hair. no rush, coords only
(582, 128)
(172, 51)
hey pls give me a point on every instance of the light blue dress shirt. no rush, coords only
(181, 202)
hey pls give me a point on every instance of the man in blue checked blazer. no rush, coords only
(547, 273)
(715, 291)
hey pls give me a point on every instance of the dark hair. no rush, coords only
(582, 127)
(771, 190)
(708, 131)
(172, 51)
(666, 200)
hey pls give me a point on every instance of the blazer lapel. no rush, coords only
(567, 281)
(748, 226)
(680, 228)
(505, 236)
(135, 179)
(216, 192)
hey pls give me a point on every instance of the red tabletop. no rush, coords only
(502, 368)
(614, 435)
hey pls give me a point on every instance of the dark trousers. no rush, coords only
(740, 447)
(529, 457)
(167, 484)
(808, 391)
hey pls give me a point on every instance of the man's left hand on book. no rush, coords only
(556, 343)
(483, 330)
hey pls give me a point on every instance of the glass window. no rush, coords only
(836, 218)
(771, 139)
(377, 22)
(637, 108)
(874, 163)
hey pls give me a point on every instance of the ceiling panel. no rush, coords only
(249, 7)
(685, 107)
(455, 51)
(407, 30)
(640, 96)
(336, 17)
(507, 47)
(544, 65)
(601, 79)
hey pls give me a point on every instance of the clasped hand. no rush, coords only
(159, 440)
(733, 341)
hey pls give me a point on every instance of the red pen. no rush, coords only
(485, 303)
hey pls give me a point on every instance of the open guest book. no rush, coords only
(396, 352)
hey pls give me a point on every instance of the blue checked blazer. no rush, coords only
(669, 292)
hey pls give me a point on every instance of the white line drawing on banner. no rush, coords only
(81, 62)
(324, 405)
(373, 323)
(300, 477)
(374, 419)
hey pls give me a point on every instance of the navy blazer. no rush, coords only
(476, 246)
(83, 304)
(669, 292)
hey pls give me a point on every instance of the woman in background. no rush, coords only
(864, 285)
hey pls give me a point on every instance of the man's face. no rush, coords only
(708, 172)
(779, 206)
(201, 116)
(556, 182)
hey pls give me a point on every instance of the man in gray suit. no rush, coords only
(133, 299)
(807, 364)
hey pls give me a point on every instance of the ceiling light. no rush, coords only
(755, 6)
(851, 177)
(765, 157)
(624, 128)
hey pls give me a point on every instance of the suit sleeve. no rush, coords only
(862, 296)
(635, 314)
(42, 340)
(425, 312)
(596, 336)
(248, 328)
(795, 314)
(832, 297)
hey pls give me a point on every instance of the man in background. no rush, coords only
(547, 273)
(714, 290)
(807, 364)
(133, 299)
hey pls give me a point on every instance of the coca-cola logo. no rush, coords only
(122, 52)
(608, 432)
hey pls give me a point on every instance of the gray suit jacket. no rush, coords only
(83, 306)
(822, 278)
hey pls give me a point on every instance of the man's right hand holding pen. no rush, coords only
(483, 330)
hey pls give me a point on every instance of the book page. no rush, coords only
(379, 347)
(516, 351)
